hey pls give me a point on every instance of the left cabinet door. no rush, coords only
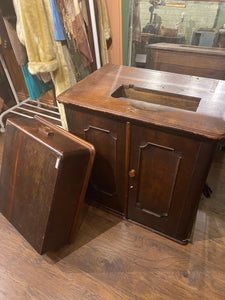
(108, 183)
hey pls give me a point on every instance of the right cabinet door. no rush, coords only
(166, 177)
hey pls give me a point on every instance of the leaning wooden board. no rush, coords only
(44, 176)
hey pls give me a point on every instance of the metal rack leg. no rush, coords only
(44, 112)
(2, 129)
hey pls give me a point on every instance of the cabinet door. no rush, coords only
(166, 180)
(107, 184)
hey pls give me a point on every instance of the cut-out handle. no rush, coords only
(46, 131)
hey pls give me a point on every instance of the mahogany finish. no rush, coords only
(186, 59)
(152, 154)
(108, 176)
(43, 181)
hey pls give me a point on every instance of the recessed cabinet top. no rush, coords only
(187, 103)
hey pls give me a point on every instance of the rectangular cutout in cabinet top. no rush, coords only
(157, 97)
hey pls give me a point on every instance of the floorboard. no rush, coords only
(116, 259)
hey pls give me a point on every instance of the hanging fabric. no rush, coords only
(104, 30)
(32, 28)
(35, 86)
(84, 11)
(58, 28)
(38, 85)
(75, 28)
(35, 29)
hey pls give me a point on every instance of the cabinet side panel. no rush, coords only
(106, 147)
(199, 176)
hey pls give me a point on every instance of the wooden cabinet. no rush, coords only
(154, 135)
(186, 59)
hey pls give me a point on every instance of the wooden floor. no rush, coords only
(115, 259)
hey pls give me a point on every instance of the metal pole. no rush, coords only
(130, 36)
(95, 34)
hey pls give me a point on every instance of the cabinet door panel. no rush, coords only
(107, 184)
(165, 165)
(157, 172)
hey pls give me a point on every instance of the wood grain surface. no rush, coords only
(186, 59)
(96, 91)
(43, 181)
(115, 259)
(175, 122)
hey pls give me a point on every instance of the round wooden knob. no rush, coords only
(132, 173)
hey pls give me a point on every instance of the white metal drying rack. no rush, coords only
(27, 106)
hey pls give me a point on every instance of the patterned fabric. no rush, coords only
(75, 28)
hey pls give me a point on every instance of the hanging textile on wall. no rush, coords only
(80, 70)
(32, 28)
(35, 86)
(36, 31)
(104, 30)
(75, 28)
(84, 11)
(58, 28)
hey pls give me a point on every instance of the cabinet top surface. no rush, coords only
(181, 102)
(187, 48)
